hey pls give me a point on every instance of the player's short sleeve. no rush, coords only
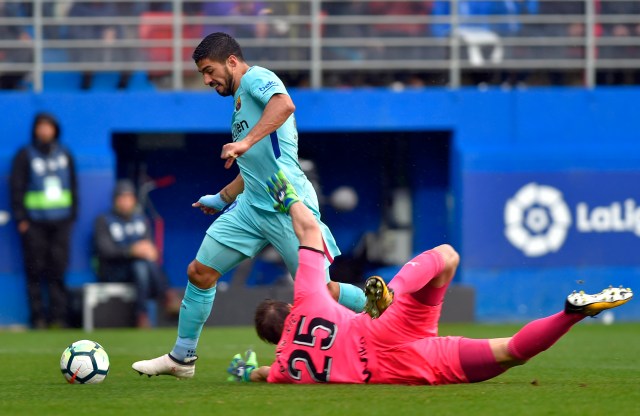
(275, 375)
(263, 84)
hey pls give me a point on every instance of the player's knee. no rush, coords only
(450, 256)
(201, 276)
(513, 362)
(502, 353)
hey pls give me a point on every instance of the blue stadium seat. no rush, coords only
(108, 81)
(105, 81)
(62, 81)
(139, 81)
(58, 81)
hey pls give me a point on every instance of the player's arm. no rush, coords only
(260, 374)
(245, 368)
(18, 184)
(73, 179)
(276, 112)
(210, 204)
(310, 280)
(305, 224)
(230, 192)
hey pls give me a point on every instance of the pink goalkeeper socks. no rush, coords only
(539, 335)
(417, 273)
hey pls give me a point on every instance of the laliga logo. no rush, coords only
(537, 220)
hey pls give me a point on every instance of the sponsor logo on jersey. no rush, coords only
(237, 128)
(267, 86)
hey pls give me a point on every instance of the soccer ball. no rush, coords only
(84, 362)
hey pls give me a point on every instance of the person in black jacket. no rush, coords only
(44, 202)
(126, 252)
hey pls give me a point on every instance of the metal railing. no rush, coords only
(323, 42)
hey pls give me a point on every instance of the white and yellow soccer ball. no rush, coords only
(84, 362)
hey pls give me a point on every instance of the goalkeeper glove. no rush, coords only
(282, 191)
(240, 368)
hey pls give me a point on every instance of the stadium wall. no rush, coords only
(541, 187)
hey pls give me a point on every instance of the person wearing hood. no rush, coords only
(126, 252)
(44, 201)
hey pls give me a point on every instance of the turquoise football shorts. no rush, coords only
(242, 231)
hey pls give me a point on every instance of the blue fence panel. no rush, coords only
(584, 144)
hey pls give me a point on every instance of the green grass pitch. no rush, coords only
(594, 370)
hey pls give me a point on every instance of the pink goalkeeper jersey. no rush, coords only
(321, 341)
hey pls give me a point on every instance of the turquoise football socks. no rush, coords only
(352, 297)
(194, 311)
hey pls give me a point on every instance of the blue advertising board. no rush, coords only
(551, 219)
(536, 188)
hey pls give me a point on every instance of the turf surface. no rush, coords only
(594, 370)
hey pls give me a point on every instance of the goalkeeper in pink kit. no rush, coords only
(321, 341)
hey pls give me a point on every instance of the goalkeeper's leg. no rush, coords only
(430, 270)
(536, 336)
(425, 278)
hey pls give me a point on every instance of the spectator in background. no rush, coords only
(239, 29)
(10, 80)
(127, 253)
(481, 35)
(470, 14)
(626, 29)
(259, 21)
(345, 30)
(567, 28)
(129, 32)
(107, 34)
(44, 201)
(400, 30)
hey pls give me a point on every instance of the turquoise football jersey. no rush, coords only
(276, 151)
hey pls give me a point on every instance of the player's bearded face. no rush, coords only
(218, 76)
(224, 88)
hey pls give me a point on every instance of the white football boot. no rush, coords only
(591, 305)
(166, 365)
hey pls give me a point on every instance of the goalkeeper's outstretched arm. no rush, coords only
(305, 224)
(260, 374)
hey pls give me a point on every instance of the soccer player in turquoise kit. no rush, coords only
(319, 341)
(265, 140)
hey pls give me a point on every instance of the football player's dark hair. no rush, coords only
(269, 319)
(217, 47)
